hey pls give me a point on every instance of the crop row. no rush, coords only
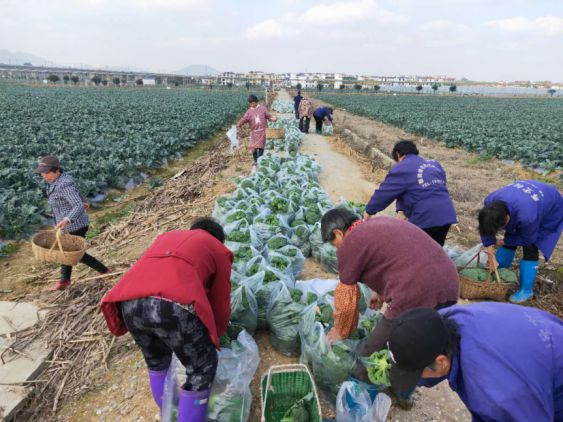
(105, 138)
(522, 129)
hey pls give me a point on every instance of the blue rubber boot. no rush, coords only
(505, 257)
(528, 271)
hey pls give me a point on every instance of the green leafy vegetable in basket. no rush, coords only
(481, 274)
(299, 412)
(378, 367)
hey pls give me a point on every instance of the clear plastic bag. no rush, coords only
(328, 130)
(283, 318)
(296, 257)
(354, 404)
(331, 364)
(465, 258)
(230, 395)
(328, 260)
(232, 135)
(316, 241)
(244, 311)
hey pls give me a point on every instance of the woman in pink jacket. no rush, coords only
(257, 116)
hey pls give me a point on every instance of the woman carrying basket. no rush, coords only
(257, 117)
(69, 210)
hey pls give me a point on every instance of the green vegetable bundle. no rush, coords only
(283, 318)
(378, 366)
(301, 410)
(244, 311)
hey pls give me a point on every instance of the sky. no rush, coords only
(487, 40)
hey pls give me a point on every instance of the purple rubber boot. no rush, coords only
(192, 406)
(157, 379)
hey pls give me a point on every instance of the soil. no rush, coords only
(123, 393)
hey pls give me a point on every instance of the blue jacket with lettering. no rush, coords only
(323, 112)
(419, 187)
(536, 215)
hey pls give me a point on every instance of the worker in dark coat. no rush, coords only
(531, 214)
(296, 101)
(176, 299)
(419, 187)
(322, 115)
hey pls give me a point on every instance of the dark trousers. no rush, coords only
(66, 270)
(304, 124)
(531, 252)
(318, 124)
(377, 340)
(160, 327)
(438, 233)
(257, 153)
(296, 113)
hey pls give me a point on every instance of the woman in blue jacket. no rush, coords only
(531, 214)
(419, 187)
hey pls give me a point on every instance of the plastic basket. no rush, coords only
(275, 133)
(70, 248)
(490, 289)
(282, 386)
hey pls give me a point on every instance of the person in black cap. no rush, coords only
(69, 210)
(504, 361)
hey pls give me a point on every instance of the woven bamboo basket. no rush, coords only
(490, 289)
(282, 386)
(69, 248)
(275, 133)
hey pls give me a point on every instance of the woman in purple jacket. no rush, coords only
(531, 214)
(419, 187)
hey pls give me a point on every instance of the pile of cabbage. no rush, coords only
(281, 106)
(291, 141)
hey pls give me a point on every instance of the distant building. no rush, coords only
(149, 81)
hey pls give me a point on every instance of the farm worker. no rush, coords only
(504, 361)
(176, 298)
(305, 114)
(531, 214)
(256, 116)
(419, 187)
(296, 101)
(69, 211)
(322, 115)
(403, 266)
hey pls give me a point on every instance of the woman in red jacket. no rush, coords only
(176, 298)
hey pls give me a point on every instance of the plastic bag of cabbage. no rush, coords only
(283, 317)
(230, 397)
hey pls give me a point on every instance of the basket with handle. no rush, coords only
(275, 133)
(58, 247)
(282, 386)
(489, 289)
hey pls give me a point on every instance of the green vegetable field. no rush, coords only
(103, 137)
(529, 130)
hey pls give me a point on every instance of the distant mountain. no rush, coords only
(198, 70)
(19, 58)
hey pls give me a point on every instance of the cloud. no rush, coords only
(546, 25)
(270, 28)
(349, 12)
(443, 26)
